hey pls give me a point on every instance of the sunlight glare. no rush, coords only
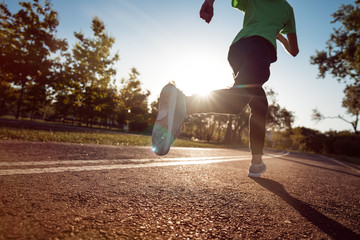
(203, 91)
(198, 72)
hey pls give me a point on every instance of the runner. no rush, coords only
(250, 56)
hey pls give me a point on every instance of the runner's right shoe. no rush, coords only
(170, 119)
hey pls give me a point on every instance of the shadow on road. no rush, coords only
(332, 228)
(315, 166)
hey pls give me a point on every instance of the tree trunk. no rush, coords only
(229, 130)
(219, 131)
(32, 109)
(2, 108)
(20, 100)
(355, 125)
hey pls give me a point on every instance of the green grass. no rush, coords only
(41, 131)
(73, 137)
(108, 138)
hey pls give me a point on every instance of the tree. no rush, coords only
(278, 118)
(27, 41)
(351, 102)
(133, 103)
(341, 58)
(237, 125)
(7, 98)
(343, 47)
(308, 140)
(109, 106)
(91, 68)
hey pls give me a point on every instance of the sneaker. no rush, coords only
(170, 119)
(255, 170)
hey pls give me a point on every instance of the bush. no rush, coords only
(344, 145)
(138, 126)
(309, 140)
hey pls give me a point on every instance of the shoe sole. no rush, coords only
(172, 92)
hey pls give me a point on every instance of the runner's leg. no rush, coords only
(250, 63)
(259, 107)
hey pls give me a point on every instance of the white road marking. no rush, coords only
(121, 164)
(341, 163)
(117, 161)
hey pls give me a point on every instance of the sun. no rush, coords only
(201, 74)
(204, 92)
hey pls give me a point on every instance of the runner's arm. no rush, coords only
(207, 10)
(290, 44)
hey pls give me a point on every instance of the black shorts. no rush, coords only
(250, 59)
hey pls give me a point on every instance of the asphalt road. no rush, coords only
(74, 191)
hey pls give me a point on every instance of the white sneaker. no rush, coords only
(170, 119)
(255, 170)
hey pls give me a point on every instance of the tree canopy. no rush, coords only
(27, 42)
(342, 55)
(341, 58)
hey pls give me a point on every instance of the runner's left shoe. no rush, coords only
(170, 119)
(255, 170)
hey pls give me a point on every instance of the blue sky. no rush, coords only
(167, 41)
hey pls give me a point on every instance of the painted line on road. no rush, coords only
(341, 163)
(169, 162)
(117, 161)
(108, 167)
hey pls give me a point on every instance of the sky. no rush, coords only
(167, 41)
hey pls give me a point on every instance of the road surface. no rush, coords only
(74, 191)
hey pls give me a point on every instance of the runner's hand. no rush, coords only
(207, 11)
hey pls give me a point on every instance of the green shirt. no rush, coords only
(265, 18)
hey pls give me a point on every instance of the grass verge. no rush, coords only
(108, 138)
(73, 137)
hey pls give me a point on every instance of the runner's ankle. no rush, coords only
(256, 159)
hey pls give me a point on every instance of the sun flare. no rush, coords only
(204, 92)
(201, 74)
